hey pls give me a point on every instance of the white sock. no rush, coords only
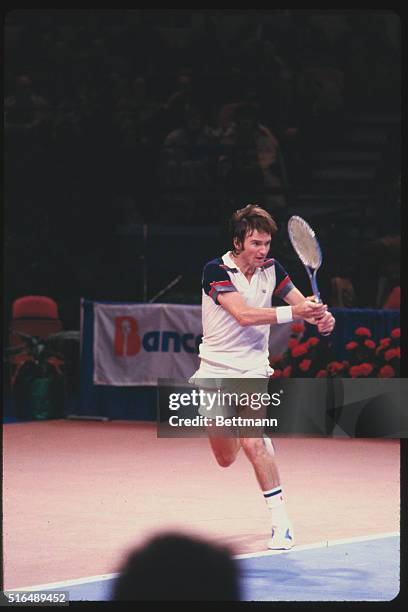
(274, 501)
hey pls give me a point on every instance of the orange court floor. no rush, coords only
(78, 495)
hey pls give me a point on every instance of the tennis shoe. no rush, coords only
(282, 537)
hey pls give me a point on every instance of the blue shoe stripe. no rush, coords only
(273, 493)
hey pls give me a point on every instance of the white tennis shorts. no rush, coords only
(219, 380)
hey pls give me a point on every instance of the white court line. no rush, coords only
(65, 583)
(266, 553)
(323, 544)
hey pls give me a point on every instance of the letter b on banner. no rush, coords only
(127, 340)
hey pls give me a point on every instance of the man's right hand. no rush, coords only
(309, 309)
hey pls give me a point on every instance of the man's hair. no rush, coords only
(245, 220)
(178, 567)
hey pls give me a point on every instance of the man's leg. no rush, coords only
(261, 457)
(224, 440)
(225, 444)
(264, 464)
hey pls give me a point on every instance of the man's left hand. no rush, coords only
(326, 323)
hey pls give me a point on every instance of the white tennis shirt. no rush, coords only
(224, 341)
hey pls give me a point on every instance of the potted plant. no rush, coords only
(38, 378)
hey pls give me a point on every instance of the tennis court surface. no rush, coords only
(78, 496)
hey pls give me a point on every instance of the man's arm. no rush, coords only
(234, 303)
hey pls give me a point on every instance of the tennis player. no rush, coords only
(237, 291)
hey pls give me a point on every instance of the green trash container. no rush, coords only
(40, 398)
(38, 395)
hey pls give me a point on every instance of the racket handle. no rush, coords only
(316, 292)
(319, 300)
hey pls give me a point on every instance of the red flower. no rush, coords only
(298, 328)
(384, 343)
(300, 349)
(293, 342)
(386, 372)
(304, 365)
(396, 333)
(363, 331)
(313, 341)
(355, 371)
(351, 345)
(369, 343)
(335, 366)
(366, 369)
(287, 371)
(321, 374)
(391, 353)
(275, 359)
(277, 373)
(363, 369)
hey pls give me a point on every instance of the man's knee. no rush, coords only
(225, 460)
(225, 448)
(225, 454)
(253, 447)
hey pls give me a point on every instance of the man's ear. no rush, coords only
(237, 245)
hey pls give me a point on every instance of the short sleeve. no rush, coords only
(216, 280)
(283, 281)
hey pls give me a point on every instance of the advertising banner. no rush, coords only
(135, 344)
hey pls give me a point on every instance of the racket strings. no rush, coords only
(304, 242)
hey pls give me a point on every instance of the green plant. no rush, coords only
(38, 373)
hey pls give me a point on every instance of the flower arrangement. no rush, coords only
(313, 358)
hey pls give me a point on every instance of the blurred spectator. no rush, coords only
(342, 293)
(373, 64)
(393, 301)
(133, 105)
(379, 281)
(181, 96)
(136, 141)
(247, 94)
(175, 567)
(323, 85)
(167, 112)
(252, 161)
(25, 110)
(320, 92)
(66, 132)
(27, 136)
(188, 164)
(387, 248)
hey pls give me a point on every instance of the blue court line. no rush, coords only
(367, 570)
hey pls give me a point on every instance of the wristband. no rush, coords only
(284, 314)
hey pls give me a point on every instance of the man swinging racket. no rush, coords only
(237, 290)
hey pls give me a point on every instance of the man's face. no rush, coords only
(255, 248)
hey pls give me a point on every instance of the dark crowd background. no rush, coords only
(132, 135)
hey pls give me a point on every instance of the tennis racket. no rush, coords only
(307, 248)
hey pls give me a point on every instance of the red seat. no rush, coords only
(35, 315)
(34, 306)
